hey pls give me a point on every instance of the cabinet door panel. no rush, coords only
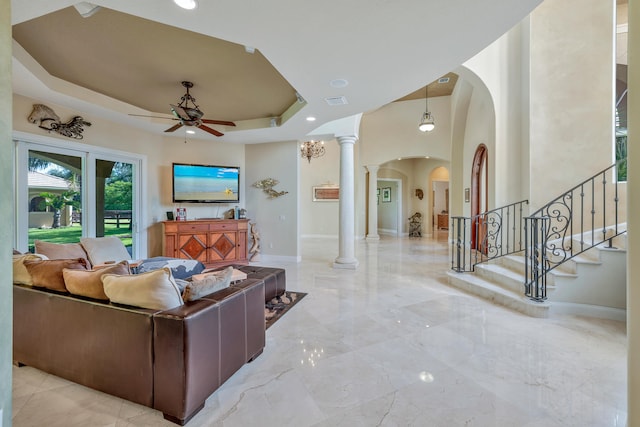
(222, 246)
(193, 246)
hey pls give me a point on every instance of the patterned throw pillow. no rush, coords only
(89, 283)
(48, 273)
(211, 283)
(155, 290)
(180, 268)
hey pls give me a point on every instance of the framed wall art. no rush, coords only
(386, 194)
(326, 194)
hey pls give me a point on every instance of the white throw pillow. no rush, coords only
(105, 250)
(155, 290)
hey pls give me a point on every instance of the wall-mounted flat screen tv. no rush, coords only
(205, 183)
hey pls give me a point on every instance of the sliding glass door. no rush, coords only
(63, 194)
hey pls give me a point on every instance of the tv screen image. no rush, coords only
(205, 183)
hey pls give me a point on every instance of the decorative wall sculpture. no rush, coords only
(48, 120)
(267, 186)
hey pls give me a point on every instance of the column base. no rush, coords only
(372, 238)
(346, 264)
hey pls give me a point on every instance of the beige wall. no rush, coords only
(633, 242)
(571, 94)
(494, 118)
(319, 219)
(6, 211)
(391, 132)
(278, 219)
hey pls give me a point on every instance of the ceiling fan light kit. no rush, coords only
(191, 115)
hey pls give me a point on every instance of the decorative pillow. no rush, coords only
(236, 276)
(20, 273)
(89, 283)
(155, 290)
(61, 250)
(212, 282)
(105, 250)
(48, 273)
(181, 283)
(180, 268)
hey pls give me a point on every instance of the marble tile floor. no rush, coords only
(389, 344)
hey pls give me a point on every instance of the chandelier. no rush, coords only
(311, 149)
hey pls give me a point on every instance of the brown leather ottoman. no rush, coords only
(274, 279)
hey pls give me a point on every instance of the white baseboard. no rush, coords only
(387, 231)
(318, 236)
(588, 310)
(266, 259)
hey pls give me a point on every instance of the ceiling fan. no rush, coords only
(192, 115)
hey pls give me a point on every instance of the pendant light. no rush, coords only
(426, 124)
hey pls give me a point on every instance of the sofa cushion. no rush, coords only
(20, 273)
(48, 273)
(89, 283)
(105, 250)
(180, 268)
(211, 283)
(61, 250)
(155, 289)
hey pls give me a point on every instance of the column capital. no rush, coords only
(372, 168)
(347, 139)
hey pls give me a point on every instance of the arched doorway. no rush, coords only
(479, 198)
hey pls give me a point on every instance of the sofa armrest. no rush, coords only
(187, 351)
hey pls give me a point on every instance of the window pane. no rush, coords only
(114, 200)
(55, 197)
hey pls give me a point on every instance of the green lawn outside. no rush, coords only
(74, 233)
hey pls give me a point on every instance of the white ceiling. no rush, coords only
(385, 49)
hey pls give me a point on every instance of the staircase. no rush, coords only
(565, 258)
(592, 283)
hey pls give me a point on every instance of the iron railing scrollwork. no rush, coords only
(585, 216)
(487, 236)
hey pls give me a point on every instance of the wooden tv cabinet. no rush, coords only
(215, 242)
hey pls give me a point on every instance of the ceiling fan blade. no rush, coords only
(174, 127)
(211, 131)
(218, 122)
(153, 117)
(179, 112)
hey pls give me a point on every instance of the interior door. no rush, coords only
(479, 182)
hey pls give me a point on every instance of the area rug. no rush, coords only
(278, 306)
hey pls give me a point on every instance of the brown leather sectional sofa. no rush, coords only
(170, 360)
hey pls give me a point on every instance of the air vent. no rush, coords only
(336, 100)
(443, 80)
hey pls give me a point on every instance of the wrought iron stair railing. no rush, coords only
(487, 236)
(587, 215)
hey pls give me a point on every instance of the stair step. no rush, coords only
(502, 276)
(517, 301)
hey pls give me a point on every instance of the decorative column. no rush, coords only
(372, 234)
(346, 231)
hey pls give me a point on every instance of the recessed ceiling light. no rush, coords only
(186, 4)
(311, 119)
(191, 132)
(338, 83)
